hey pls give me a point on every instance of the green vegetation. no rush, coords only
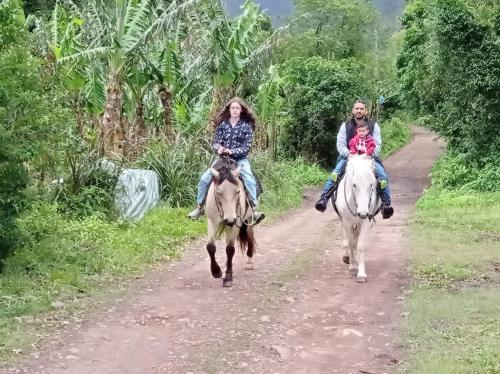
(449, 67)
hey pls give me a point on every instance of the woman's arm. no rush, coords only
(243, 150)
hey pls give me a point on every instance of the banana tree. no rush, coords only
(165, 63)
(118, 34)
(270, 109)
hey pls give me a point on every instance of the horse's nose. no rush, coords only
(229, 222)
(362, 215)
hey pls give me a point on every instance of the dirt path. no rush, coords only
(298, 312)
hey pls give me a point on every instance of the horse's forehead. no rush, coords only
(226, 185)
(362, 168)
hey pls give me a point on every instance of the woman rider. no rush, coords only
(235, 126)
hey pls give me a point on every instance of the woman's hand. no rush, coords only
(224, 151)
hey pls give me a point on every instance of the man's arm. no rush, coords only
(342, 141)
(378, 140)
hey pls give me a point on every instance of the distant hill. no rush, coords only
(278, 10)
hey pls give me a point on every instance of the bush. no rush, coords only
(450, 69)
(459, 171)
(283, 181)
(31, 119)
(318, 95)
(179, 167)
(89, 188)
(395, 134)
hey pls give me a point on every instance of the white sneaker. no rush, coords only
(197, 213)
(258, 217)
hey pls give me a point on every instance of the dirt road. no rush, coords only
(299, 311)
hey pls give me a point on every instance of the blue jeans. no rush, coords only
(380, 174)
(246, 174)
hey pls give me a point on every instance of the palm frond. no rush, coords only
(86, 55)
(171, 15)
(138, 18)
(95, 87)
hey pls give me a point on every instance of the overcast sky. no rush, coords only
(279, 9)
(275, 8)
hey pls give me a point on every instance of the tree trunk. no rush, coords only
(138, 132)
(166, 101)
(112, 135)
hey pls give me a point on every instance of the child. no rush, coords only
(363, 142)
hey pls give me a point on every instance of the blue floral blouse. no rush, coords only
(238, 138)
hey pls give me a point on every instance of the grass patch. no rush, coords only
(454, 309)
(65, 260)
(454, 332)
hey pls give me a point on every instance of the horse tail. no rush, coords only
(246, 239)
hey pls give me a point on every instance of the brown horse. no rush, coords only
(228, 210)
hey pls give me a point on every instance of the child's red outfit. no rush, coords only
(367, 142)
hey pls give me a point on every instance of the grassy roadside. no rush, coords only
(65, 263)
(453, 324)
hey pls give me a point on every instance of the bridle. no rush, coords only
(239, 217)
(370, 216)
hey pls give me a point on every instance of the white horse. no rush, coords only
(357, 203)
(228, 210)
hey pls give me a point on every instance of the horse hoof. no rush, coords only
(217, 274)
(361, 279)
(248, 266)
(346, 260)
(227, 283)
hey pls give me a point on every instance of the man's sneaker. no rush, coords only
(197, 213)
(322, 203)
(387, 211)
(335, 176)
(257, 217)
(383, 184)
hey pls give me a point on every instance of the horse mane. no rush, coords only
(225, 166)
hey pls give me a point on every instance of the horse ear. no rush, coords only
(215, 173)
(236, 172)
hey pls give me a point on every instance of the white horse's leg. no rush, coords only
(362, 246)
(350, 241)
(345, 245)
(214, 267)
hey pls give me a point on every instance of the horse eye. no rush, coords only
(353, 186)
